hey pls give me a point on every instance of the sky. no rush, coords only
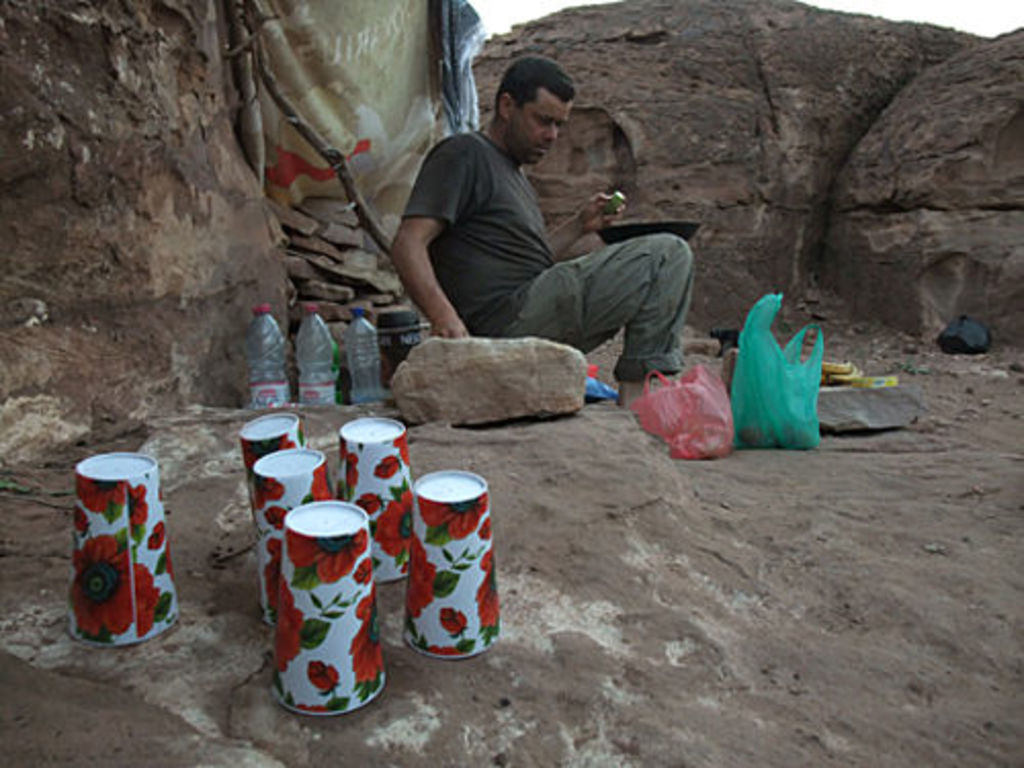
(987, 18)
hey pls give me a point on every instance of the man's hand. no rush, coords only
(590, 218)
(594, 216)
(449, 328)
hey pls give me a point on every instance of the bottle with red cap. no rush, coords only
(315, 352)
(264, 353)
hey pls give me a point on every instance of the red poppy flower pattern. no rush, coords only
(394, 526)
(275, 516)
(254, 450)
(146, 598)
(265, 489)
(333, 557)
(364, 572)
(100, 496)
(460, 518)
(487, 594)
(419, 592)
(453, 621)
(350, 461)
(81, 521)
(485, 529)
(272, 572)
(387, 467)
(444, 650)
(370, 502)
(137, 506)
(402, 444)
(324, 677)
(156, 538)
(289, 628)
(101, 593)
(367, 659)
(321, 490)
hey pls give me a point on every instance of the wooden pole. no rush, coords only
(367, 217)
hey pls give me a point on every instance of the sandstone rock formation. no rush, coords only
(127, 208)
(481, 381)
(931, 203)
(735, 114)
(852, 606)
(137, 237)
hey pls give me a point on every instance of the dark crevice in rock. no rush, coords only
(647, 38)
(762, 80)
(890, 208)
(819, 257)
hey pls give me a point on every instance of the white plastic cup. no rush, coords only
(273, 432)
(282, 481)
(451, 599)
(122, 579)
(374, 473)
(327, 654)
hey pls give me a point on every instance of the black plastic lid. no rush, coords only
(397, 318)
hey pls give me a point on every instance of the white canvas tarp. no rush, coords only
(359, 72)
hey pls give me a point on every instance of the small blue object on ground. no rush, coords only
(598, 390)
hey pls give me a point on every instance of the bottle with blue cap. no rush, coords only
(363, 356)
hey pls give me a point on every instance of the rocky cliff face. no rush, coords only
(739, 115)
(135, 235)
(931, 202)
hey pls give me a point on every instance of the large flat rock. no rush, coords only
(481, 381)
(856, 409)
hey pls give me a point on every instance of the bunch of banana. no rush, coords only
(839, 374)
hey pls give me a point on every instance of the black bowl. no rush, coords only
(619, 232)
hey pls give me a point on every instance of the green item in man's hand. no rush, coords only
(615, 203)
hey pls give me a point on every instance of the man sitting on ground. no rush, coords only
(473, 253)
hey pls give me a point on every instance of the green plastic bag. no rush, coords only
(774, 394)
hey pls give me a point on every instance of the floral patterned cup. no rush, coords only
(122, 581)
(327, 653)
(374, 473)
(282, 481)
(451, 600)
(274, 432)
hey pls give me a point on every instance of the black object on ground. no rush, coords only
(616, 233)
(398, 331)
(965, 336)
(727, 339)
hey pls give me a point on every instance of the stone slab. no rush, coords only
(855, 409)
(293, 219)
(481, 381)
(321, 290)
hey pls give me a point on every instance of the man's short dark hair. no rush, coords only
(526, 75)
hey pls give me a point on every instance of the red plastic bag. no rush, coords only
(693, 415)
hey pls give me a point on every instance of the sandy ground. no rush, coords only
(857, 605)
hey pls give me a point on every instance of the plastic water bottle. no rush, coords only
(264, 353)
(363, 357)
(314, 350)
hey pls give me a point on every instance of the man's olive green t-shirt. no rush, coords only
(494, 243)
